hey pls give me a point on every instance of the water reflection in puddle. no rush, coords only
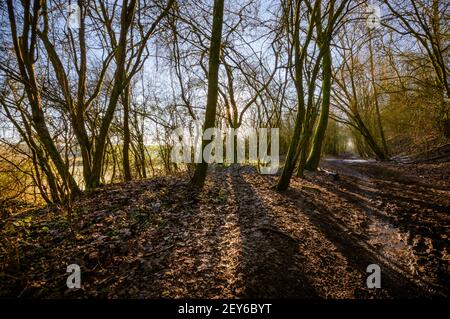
(391, 243)
(350, 160)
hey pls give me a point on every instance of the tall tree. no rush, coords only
(25, 48)
(213, 87)
(314, 156)
(292, 24)
(427, 22)
(307, 110)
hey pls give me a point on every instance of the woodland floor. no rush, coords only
(240, 238)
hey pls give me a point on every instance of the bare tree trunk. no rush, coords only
(126, 19)
(126, 134)
(314, 156)
(380, 155)
(377, 106)
(213, 85)
(292, 154)
(25, 48)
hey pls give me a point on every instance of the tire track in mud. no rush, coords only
(407, 228)
(313, 241)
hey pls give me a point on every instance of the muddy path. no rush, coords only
(316, 239)
(404, 212)
(239, 238)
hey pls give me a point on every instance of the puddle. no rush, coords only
(391, 243)
(350, 160)
(357, 160)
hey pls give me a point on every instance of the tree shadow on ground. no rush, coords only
(269, 258)
(355, 249)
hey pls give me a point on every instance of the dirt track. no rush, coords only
(241, 238)
(317, 238)
(403, 214)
